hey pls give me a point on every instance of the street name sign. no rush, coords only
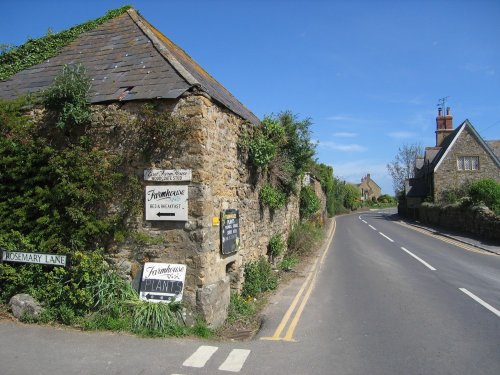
(35, 258)
(167, 203)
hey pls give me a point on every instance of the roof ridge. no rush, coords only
(161, 48)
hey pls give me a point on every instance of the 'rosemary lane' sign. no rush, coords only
(162, 282)
(35, 258)
(167, 203)
(167, 175)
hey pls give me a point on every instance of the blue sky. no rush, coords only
(368, 73)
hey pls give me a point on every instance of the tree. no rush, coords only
(403, 165)
(352, 198)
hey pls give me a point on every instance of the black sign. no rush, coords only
(230, 231)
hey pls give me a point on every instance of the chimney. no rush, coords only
(444, 125)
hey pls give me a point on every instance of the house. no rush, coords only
(460, 156)
(130, 63)
(369, 188)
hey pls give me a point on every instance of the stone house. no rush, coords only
(131, 63)
(460, 156)
(369, 188)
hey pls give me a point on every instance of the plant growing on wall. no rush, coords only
(159, 133)
(35, 51)
(309, 202)
(68, 96)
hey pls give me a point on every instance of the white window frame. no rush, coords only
(468, 163)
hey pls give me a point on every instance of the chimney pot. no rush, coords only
(439, 111)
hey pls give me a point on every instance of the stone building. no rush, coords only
(459, 157)
(369, 188)
(131, 63)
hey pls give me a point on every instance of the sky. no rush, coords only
(369, 74)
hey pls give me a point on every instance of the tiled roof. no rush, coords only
(127, 59)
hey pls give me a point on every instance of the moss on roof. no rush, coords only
(36, 51)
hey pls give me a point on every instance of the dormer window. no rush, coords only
(468, 163)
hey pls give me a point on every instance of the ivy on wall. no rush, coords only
(36, 51)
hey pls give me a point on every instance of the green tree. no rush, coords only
(352, 197)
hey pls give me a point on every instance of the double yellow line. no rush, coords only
(300, 296)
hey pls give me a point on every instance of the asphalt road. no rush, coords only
(381, 299)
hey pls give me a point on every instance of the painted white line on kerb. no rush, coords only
(480, 301)
(372, 227)
(390, 239)
(200, 357)
(419, 259)
(234, 362)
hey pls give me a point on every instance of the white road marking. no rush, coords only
(235, 361)
(364, 221)
(390, 239)
(200, 357)
(372, 227)
(419, 259)
(480, 301)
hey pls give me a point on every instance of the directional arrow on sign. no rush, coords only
(160, 214)
(159, 297)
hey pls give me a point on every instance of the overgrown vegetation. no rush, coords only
(68, 96)
(259, 278)
(480, 192)
(36, 51)
(61, 194)
(281, 150)
(309, 203)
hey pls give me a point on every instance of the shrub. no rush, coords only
(259, 277)
(276, 245)
(486, 191)
(272, 197)
(288, 263)
(309, 202)
(157, 319)
(303, 238)
(68, 96)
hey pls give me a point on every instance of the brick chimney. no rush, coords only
(444, 125)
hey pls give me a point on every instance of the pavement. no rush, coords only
(466, 238)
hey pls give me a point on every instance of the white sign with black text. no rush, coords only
(167, 203)
(167, 175)
(162, 282)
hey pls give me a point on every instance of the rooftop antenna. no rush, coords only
(442, 103)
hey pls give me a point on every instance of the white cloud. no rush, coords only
(477, 68)
(344, 118)
(402, 135)
(345, 135)
(342, 147)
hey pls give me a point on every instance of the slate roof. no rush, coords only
(127, 59)
(450, 140)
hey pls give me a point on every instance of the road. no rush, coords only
(381, 299)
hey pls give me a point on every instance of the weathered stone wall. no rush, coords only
(220, 180)
(448, 177)
(475, 220)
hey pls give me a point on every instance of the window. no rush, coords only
(468, 163)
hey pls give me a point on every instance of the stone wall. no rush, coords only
(478, 221)
(448, 177)
(221, 179)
